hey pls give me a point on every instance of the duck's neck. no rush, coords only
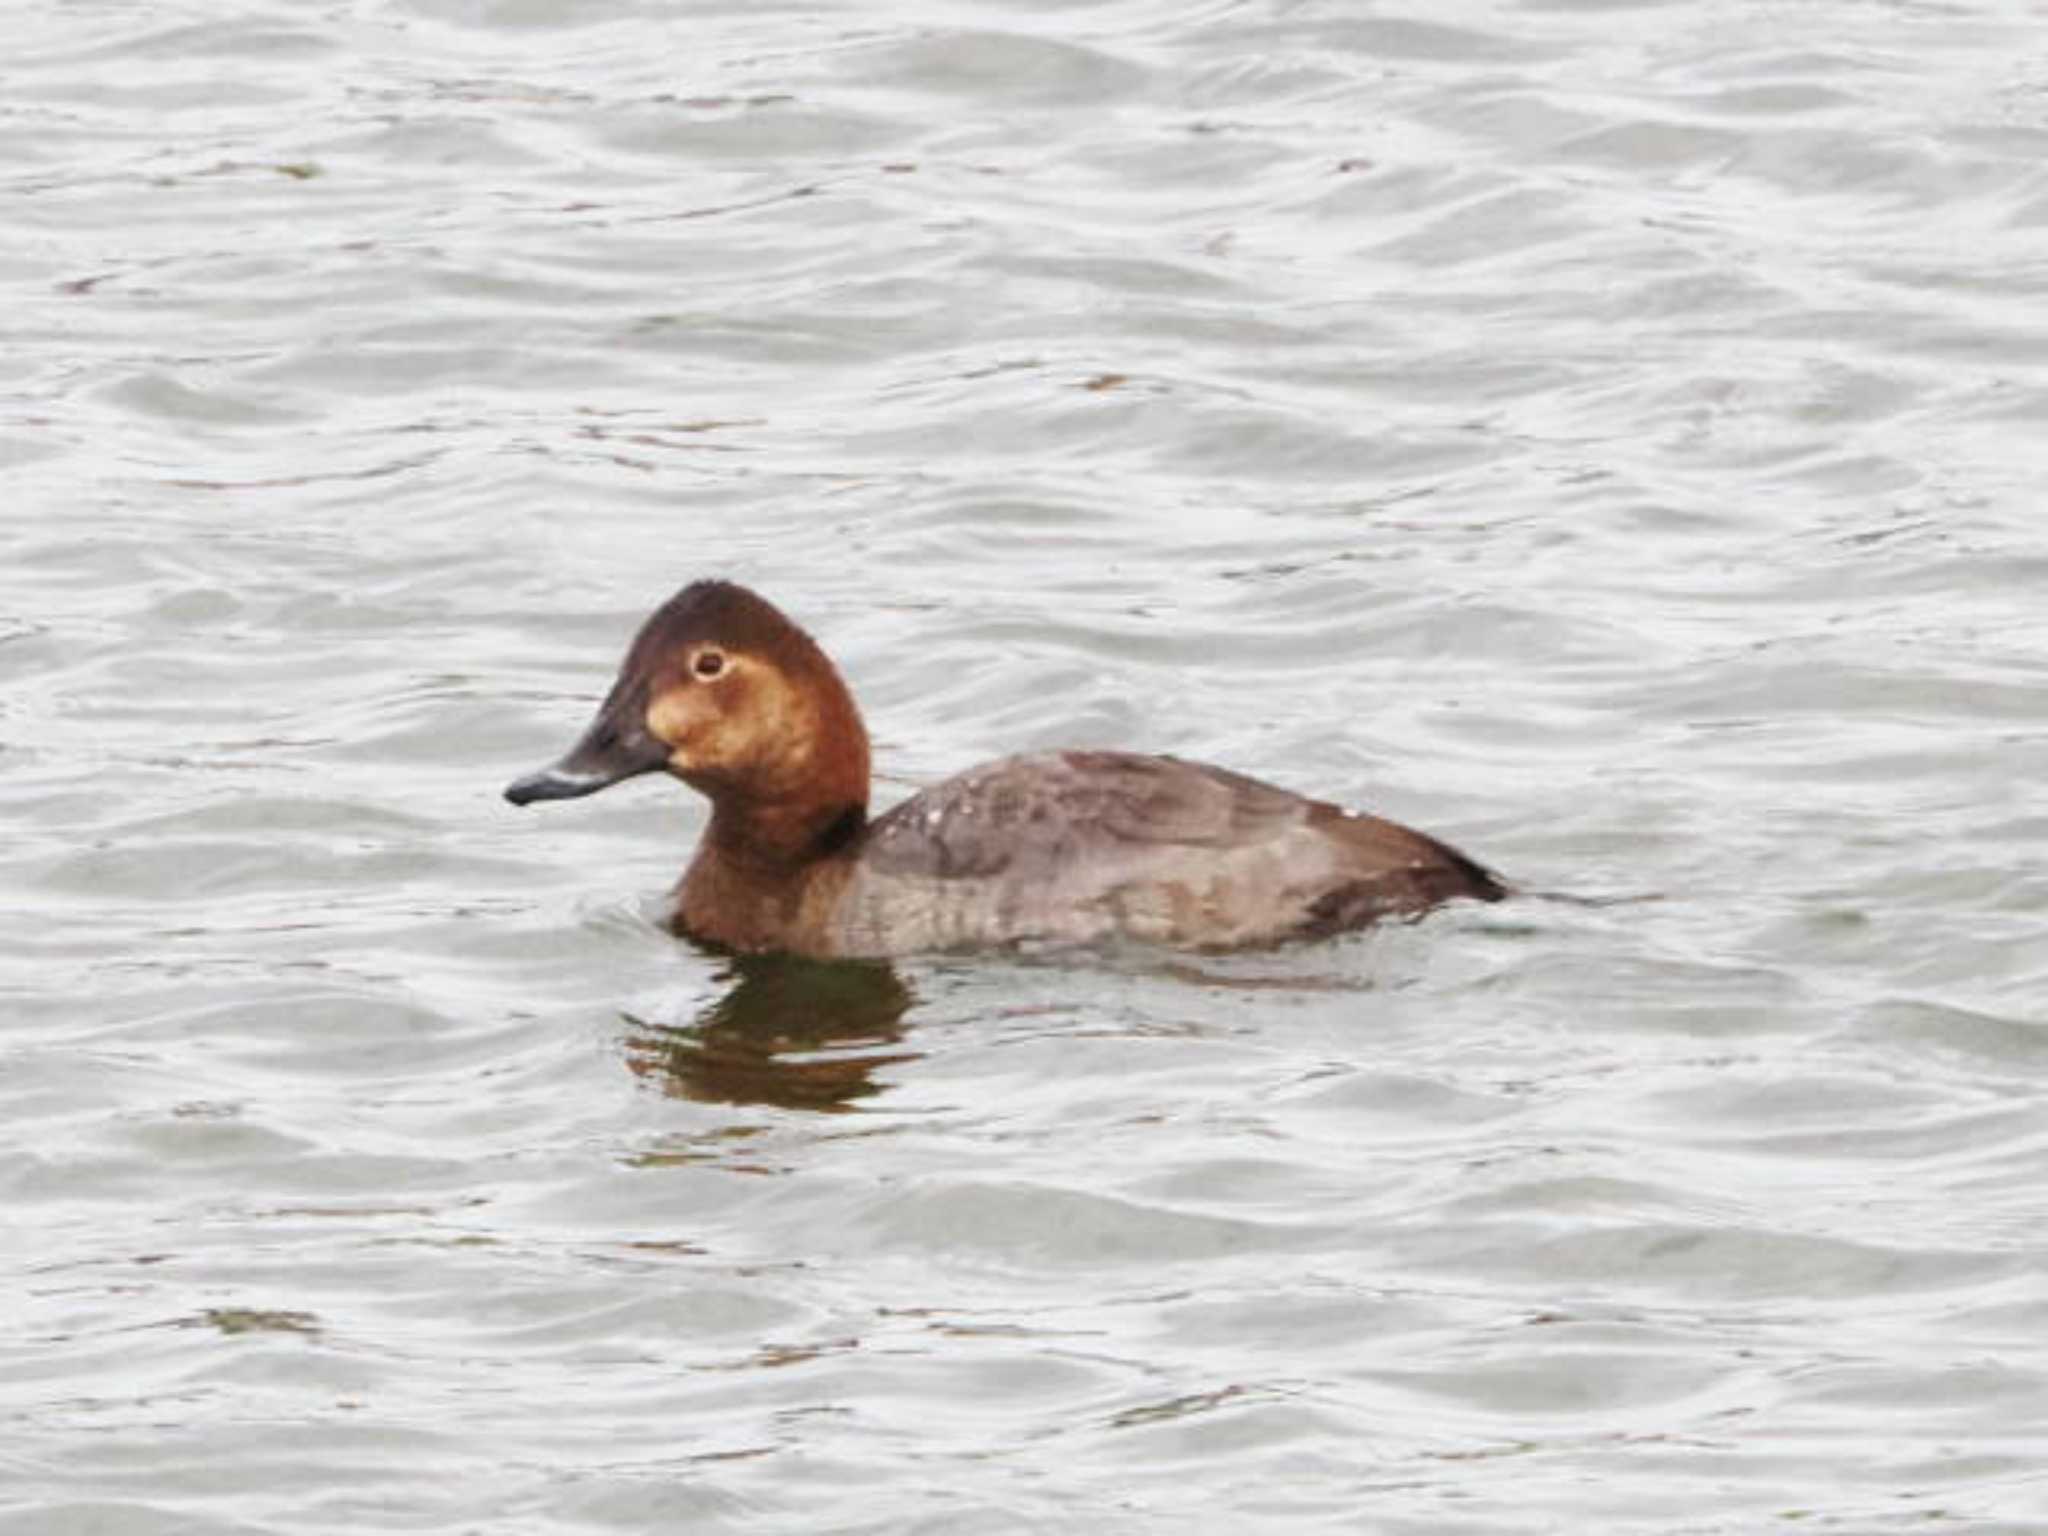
(773, 851)
(808, 796)
(762, 875)
(771, 840)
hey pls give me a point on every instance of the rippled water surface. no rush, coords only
(1608, 435)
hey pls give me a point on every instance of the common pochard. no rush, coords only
(722, 691)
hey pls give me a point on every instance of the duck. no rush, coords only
(722, 690)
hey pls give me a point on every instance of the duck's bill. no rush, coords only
(602, 758)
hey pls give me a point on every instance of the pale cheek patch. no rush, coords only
(696, 725)
(671, 719)
(753, 726)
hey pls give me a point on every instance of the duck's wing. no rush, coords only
(1033, 815)
(1079, 844)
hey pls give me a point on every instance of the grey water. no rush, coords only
(1608, 435)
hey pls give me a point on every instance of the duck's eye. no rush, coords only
(708, 663)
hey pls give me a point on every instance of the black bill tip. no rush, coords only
(601, 759)
(555, 784)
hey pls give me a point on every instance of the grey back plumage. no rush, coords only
(1082, 845)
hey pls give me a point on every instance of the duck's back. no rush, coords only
(1080, 846)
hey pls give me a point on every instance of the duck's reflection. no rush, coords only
(802, 1034)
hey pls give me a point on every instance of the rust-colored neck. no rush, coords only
(807, 796)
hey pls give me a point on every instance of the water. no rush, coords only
(1606, 435)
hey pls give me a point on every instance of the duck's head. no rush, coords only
(723, 691)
